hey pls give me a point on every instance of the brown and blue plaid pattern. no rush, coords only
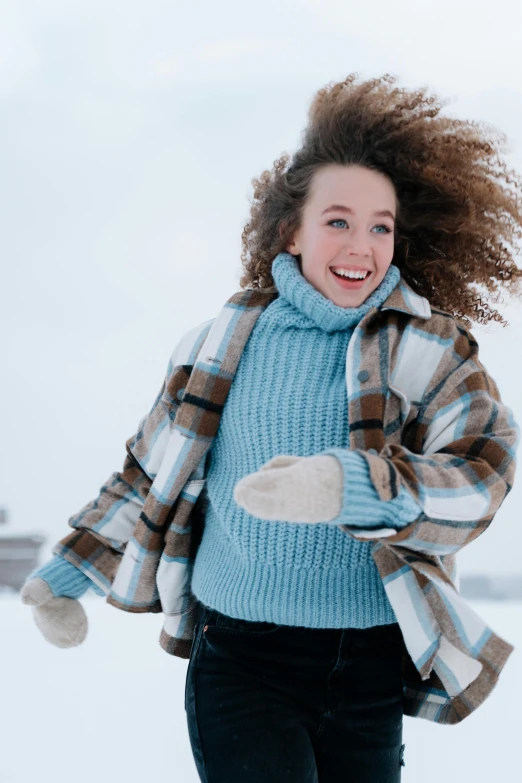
(423, 411)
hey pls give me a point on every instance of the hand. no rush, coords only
(52, 592)
(293, 489)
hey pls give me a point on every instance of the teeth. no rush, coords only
(353, 275)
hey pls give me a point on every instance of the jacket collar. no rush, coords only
(207, 389)
(406, 300)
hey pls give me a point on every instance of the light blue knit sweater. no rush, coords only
(289, 397)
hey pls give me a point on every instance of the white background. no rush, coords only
(129, 136)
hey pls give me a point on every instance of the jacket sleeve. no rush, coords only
(102, 528)
(463, 465)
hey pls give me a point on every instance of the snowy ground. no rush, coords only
(88, 714)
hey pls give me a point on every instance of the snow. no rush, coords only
(113, 708)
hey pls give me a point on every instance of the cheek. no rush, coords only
(324, 240)
(384, 255)
(388, 249)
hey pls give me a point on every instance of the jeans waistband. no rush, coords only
(212, 617)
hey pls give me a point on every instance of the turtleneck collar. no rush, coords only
(297, 291)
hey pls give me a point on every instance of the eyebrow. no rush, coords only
(341, 208)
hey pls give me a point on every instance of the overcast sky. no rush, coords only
(130, 133)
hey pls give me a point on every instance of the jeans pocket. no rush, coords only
(198, 629)
(188, 673)
(379, 640)
(215, 621)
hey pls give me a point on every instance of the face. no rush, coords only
(347, 224)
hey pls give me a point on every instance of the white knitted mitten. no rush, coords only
(293, 489)
(52, 592)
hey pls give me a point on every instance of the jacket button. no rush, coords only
(180, 393)
(363, 375)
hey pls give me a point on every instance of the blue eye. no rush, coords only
(342, 220)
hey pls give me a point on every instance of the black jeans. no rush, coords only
(267, 703)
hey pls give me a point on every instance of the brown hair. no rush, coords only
(454, 214)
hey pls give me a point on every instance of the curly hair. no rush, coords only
(455, 216)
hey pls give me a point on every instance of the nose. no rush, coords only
(358, 244)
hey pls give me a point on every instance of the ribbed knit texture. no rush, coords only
(64, 578)
(289, 396)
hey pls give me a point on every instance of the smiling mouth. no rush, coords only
(346, 277)
(350, 283)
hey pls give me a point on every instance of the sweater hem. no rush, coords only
(287, 595)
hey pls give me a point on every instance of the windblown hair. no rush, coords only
(455, 216)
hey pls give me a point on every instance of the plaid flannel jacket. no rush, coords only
(423, 412)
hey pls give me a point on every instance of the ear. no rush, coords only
(292, 246)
